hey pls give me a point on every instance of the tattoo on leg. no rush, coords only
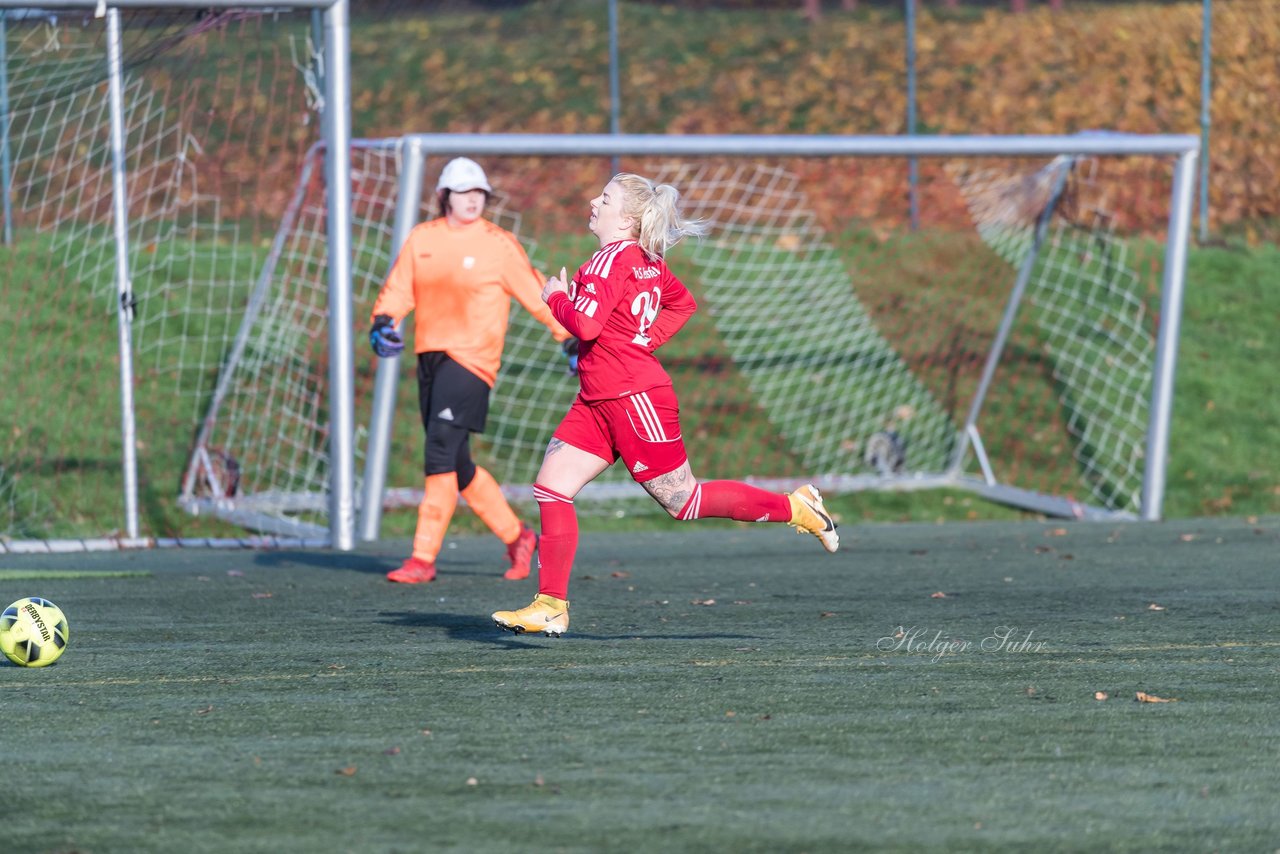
(666, 489)
(554, 445)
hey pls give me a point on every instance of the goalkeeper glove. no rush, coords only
(570, 348)
(383, 337)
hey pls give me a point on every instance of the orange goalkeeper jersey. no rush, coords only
(458, 282)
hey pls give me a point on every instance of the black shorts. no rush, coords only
(449, 393)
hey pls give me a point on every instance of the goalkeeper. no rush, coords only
(458, 273)
(622, 305)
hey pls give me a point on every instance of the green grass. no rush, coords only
(295, 701)
(1224, 457)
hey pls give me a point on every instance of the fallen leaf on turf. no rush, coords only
(1042, 549)
(826, 614)
(620, 574)
(1099, 695)
(1154, 607)
(1066, 556)
(205, 710)
(742, 601)
(538, 781)
(472, 781)
(1186, 538)
(263, 595)
(392, 751)
(730, 714)
(1143, 697)
(1056, 532)
(235, 573)
(426, 732)
(938, 595)
(349, 771)
(703, 602)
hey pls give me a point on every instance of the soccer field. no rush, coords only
(930, 687)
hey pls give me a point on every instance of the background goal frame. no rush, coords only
(1184, 148)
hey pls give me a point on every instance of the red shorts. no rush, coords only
(643, 429)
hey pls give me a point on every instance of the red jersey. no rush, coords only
(622, 306)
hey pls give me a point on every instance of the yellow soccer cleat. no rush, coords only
(545, 614)
(809, 516)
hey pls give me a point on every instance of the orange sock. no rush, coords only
(485, 497)
(440, 496)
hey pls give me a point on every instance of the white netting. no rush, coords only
(1086, 303)
(833, 342)
(789, 373)
(195, 203)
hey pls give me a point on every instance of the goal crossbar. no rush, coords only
(791, 145)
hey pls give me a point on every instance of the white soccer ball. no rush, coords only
(33, 632)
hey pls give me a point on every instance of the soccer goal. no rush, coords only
(1018, 345)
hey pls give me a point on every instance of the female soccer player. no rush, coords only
(622, 305)
(460, 271)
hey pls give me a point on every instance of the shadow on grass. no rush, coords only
(476, 628)
(372, 564)
(467, 627)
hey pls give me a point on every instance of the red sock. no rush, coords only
(733, 499)
(558, 542)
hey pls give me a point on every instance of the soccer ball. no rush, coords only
(33, 632)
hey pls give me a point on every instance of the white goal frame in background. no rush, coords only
(1184, 148)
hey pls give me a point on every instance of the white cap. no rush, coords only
(462, 174)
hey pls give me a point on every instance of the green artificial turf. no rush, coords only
(720, 690)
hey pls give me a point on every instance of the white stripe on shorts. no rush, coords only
(649, 417)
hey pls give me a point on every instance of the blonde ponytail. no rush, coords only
(655, 208)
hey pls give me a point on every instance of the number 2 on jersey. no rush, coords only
(645, 309)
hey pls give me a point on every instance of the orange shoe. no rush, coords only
(520, 553)
(415, 570)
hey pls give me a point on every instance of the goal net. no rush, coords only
(1006, 342)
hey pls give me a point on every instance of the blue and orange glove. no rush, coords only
(570, 348)
(384, 339)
